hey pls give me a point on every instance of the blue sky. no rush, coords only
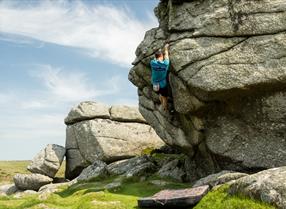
(55, 54)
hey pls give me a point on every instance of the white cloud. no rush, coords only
(70, 86)
(62, 85)
(58, 87)
(104, 31)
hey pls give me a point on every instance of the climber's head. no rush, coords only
(159, 55)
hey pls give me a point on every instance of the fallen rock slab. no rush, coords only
(31, 181)
(51, 188)
(136, 166)
(97, 169)
(48, 161)
(219, 178)
(46, 190)
(141, 170)
(267, 186)
(174, 198)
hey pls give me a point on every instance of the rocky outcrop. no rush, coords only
(268, 186)
(98, 132)
(48, 161)
(227, 79)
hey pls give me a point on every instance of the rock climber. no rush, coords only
(160, 67)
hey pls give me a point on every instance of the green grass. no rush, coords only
(91, 195)
(9, 168)
(219, 199)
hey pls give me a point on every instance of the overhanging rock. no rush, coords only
(228, 81)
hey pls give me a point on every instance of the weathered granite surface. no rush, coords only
(268, 186)
(227, 79)
(96, 132)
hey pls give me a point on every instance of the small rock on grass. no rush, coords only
(8, 189)
(31, 181)
(113, 186)
(21, 194)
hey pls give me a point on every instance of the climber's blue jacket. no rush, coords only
(159, 72)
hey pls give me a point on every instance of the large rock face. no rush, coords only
(228, 79)
(98, 132)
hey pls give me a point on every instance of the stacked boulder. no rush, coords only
(98, 132)
(43, 168)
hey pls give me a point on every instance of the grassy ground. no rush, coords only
(219, 199)
(91, 195)
(9, 168)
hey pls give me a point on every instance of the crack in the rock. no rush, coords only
(111, 137)
(222, 36)
(119, 138)
(106, 118)
(208, 57)
(250, 63)
(264, 12)
(280, 57)
(72, 149)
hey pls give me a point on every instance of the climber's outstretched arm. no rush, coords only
(166, 52)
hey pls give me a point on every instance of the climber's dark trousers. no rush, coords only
(164, 102)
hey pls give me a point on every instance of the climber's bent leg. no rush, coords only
(165, 103)
(164, 97)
